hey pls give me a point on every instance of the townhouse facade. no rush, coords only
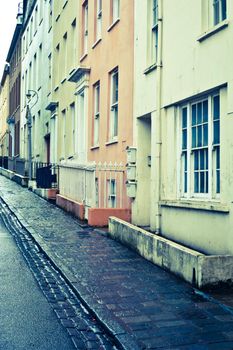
(188, 196)
(13, 120)
(4, 114)
(93, 176)
(35, 82)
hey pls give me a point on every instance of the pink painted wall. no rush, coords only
(115, 49)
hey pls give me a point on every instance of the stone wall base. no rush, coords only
(194, 267)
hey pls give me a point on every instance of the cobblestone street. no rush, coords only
(139, 304)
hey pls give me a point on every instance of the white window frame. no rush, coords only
(114, 104)
(96, 113)
(212, 148)
(99, 10)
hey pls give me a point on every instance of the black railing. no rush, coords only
(4, 162)
(46, 175)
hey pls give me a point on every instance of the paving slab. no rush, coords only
(142, 306)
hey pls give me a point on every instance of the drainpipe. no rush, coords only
(158, 124)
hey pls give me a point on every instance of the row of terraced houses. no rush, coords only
(124, 108)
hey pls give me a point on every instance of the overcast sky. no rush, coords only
(8, 14)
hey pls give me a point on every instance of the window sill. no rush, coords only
(196, 205)
(39, 88)
(150, 68)
(95, 147)
(83, 57)
(56, 88)
(113, 24)
(112, 142)
(96, 43)
(212, 31)
(63, 80)
(57, 18)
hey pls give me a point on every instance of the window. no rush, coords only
(98, 19)
(154, 51)
(50, 13)
(63, 151)
(73, 48)
(85, 27)
(112, 193)
(65, 54)
(200, 148)
(96, 112)
(115, 10)
(73, 120)
(219, 11)
(114, 105)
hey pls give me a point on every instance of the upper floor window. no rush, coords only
(96, 112)
(219, 11)
(85, 27)
(115, 10)
(154, 50)
(98, 19)
(114, 105)
(200, 148)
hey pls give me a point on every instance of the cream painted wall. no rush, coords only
(64, 32)
(191, 67)
(144, 107)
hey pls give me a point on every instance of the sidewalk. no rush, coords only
(143, 306)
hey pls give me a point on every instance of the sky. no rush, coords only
(8, 14)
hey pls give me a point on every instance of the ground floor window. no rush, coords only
(200, 147)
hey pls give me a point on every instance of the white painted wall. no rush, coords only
(40, 45)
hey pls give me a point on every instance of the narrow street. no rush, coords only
(42, 313)
(27, 321)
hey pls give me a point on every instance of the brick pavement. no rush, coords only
(142, 305)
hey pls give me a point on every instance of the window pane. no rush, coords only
(199, 113)
(196, 161)
(205, 111)
(194, 132)
(196, 182)
(224, 9)
(217, 181)
(185, 161)
(206, 159)
(202, 159)
(194, 114)
(206, 182)
(202, 182)
(184, 141)
(216, 109)
(199, 137)
(205, 130)
(218, 157)
(216, 132)
(184, 117)
(216, 12)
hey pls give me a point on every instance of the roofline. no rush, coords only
(4, 74)
(14, 40)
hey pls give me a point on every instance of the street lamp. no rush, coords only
(30, 97)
